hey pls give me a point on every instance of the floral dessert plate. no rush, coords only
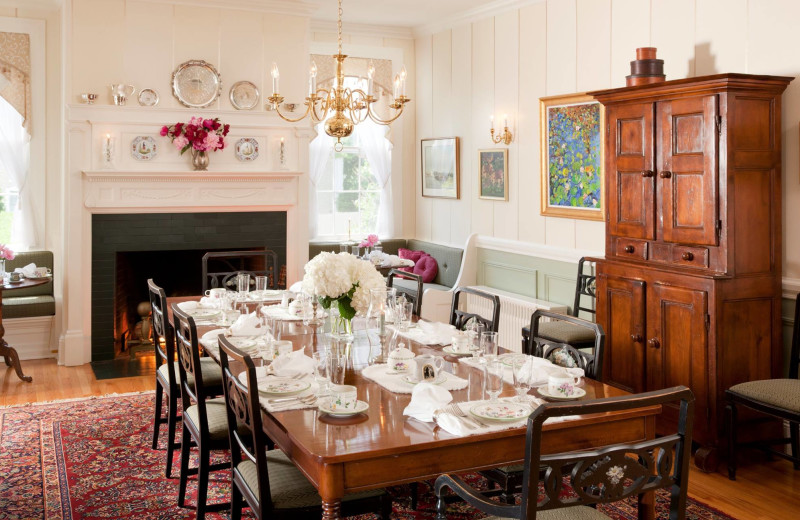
(202, 313)
(449, 350)
(577, 393)
(324, 407)
(501, 411)
(242, 342)
(441, 378)
(280, 385)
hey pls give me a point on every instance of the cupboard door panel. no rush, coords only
(621, 312)
(687, 180)
(630, 173)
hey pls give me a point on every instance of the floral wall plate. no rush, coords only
(144, 148)
(246, 149)
(244, 95)
(196, 83)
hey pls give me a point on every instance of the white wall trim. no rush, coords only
(289, 7)
(481, 12)
(32, 4)
(362, 29)
(538, 250)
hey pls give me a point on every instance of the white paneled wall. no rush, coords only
(504, 63)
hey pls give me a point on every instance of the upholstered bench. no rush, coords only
(33, 301)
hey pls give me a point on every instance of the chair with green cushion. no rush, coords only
(205, 420)
(776, 397)
(267, 480)
(167, 379)
(575, 481)
(31, 301)
(561, 331)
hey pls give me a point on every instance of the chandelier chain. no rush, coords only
(340, 26)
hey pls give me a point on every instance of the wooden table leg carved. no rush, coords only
(9, 354)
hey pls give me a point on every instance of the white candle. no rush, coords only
(491, 121)
(275, 76)
(505, 120)
(370, 76)
(312, 80)
(396, 86)
(108, 141)
(403, 75)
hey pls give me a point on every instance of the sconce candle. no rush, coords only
(275, 77)
(108, 151)
(370, 75)
(283, 153)
(312, 81)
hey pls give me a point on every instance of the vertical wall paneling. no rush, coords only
(97, 21)
(424, 106)
(720, 36)
(669, 19)
(532, 86)
(197, 36)
(561, 47)
(242, 30)
(443, 107)
(593, 35)
(462, 121)
(630, 28)
(506, 88)
(286, 42)
(483, 73)
(147, 57)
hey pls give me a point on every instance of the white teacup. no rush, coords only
(427, 367)
(343, 398)
(562, 385)
(216, 292)
(283, 347)
(41, 272)
(460, 343)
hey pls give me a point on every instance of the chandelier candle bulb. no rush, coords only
(491, 122)
(403, 75)
(312, 79)
(275, 76)
(370, 76)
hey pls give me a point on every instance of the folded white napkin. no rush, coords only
(29, 271)
(430, 333)
(538, 371)
(193, 305)
(292, 364)
(247, 325)
(426, 402)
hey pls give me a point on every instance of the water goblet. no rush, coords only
(521, 368)
(489, 344)
(493, 378)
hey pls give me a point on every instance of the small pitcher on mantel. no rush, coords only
(121, 92)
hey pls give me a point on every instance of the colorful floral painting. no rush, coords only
(572, 157)
(493, 174)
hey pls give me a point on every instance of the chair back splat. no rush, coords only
(589, 357)
(161, 329)
(459, 318)
(414, 296)
(586, 285)
(220, 268)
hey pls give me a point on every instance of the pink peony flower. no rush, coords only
(164, 131)
(197, 121)
(180, 142)
(6, 252)
(211, 142)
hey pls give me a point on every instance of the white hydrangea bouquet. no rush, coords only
(342, 279)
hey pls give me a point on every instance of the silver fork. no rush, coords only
(307, 400)
(456, 410)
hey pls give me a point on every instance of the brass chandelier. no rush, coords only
(349, 106)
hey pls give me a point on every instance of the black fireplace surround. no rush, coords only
(168, 247)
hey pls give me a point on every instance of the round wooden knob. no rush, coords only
(653, 343)
(637, 338)
(688, 256)
(665, 174)
(629, 249)
(648, 173)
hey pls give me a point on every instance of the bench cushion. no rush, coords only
(28, 306)
(411, 286)
(447, 258)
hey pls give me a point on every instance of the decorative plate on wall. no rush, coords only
(144, 148)
(246, 149)
(148, 97)
(244, 95)
(196, 83)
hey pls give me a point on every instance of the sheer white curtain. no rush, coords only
(319, 152)
(15, 161)
(378, 150)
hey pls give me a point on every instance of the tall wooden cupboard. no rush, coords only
(689, 291)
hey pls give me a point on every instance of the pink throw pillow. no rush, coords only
(408, 254)
(426, 267)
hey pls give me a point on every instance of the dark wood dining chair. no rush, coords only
(564, 331)
(265, 478)
(574, 481)
(779, 398)
(414, 296)
(220, 268)
(167, 378)
(205, 421)
(460, 318)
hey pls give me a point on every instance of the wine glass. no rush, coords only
(493, 373)
(521, 368)
(474, 329)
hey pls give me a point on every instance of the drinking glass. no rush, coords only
(261, 284)
(338, 367)
(243, 283)
(405, 310)
(521, 368)
(494, 379)
(354, 251)
(322, 373)
(343, 248)
(474, 330)
(489, 344)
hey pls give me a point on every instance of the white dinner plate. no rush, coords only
(279, 385)
(501, 411)
(242, 342)
(202, 313)
(36, 278)
(449, 350)
(579, 392)
(324, 406)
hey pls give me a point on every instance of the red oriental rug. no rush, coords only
(91, 459)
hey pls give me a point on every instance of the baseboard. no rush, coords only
(31, 337)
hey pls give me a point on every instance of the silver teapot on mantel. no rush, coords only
(121, 92)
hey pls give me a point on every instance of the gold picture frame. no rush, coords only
(440, 167)
(572, 151)
(492, 167)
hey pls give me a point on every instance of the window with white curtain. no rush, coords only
(351, 189)
(14, 157)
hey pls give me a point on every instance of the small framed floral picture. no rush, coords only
(440, 167)
(493, 174)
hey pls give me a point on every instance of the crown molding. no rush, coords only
(288, 7)
(32, 4)
(484, 11)
(365, 30)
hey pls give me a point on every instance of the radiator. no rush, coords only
(515, 313)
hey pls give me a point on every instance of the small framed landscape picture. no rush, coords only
(440, 167)
(572, 156)
(493, 174)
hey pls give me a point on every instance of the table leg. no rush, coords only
(12, 360)
(331, 509)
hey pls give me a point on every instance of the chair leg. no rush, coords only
(184, 475)
(157, 419)
(172, 424)
(507, 495)
(386, 507)
(414, 495)
(237, 502)
(731, 415)
(794, 431)
(441, 507)
(203, 472)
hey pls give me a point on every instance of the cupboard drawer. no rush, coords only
(694, 256)
(627, 248)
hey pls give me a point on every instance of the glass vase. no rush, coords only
(2, 268)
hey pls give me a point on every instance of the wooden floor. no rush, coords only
(763, 490)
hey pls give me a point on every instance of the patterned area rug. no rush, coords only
(91, 459)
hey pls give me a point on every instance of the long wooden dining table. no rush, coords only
(381, 447)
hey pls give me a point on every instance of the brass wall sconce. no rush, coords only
(506, 137)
